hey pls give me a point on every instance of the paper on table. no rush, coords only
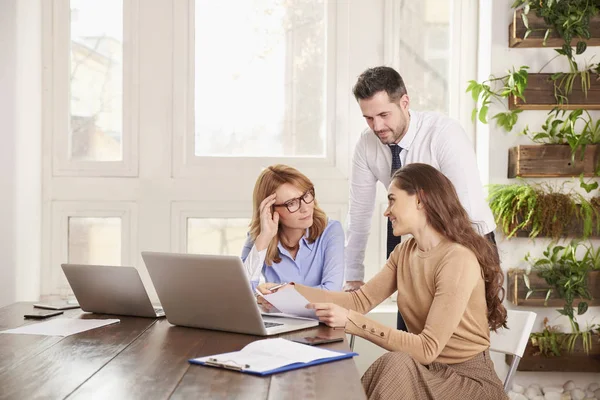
(289, 301)
(61, 326)
(268, 354)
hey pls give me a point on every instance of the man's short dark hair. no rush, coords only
(378, 79)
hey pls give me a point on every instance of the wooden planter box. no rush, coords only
(577, 361)
(540, 95)
(516, 290)
(575, 230)
(516, 32)
(551, 160)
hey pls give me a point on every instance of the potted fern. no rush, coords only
(531, 210)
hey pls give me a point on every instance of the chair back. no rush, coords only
(514, 339)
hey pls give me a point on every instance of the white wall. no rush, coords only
(493, 144)
(20, 152)
(7, 155)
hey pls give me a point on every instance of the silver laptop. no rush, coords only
(212, 292)
(110, 290)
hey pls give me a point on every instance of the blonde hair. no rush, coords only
(269, 180)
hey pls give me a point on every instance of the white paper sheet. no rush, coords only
(290, 301)
(268, 354)
(61, 326)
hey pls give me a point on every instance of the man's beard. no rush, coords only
(393, 135)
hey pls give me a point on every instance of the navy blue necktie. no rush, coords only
(393, 241)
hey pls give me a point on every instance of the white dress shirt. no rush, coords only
(433, 139)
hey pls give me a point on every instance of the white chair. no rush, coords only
(513, 340)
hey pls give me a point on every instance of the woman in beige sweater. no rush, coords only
(450, 294)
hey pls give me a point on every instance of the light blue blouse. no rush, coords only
(319, 264)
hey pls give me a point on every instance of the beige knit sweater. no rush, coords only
(441, 295)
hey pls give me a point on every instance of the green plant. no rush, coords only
(496, 89)
(569, 18)
(592, 185)
(541, 210)
(592, 256)
(567, 275)
(577, 129)
(551, 341)
(563, 81)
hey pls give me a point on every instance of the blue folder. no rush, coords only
(247, 369)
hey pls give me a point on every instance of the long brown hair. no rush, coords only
(447, 216)
(267, 183)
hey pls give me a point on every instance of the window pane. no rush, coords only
(260, 78)
(216, 236)
(425, 51)
(95, 240)
(96, 80)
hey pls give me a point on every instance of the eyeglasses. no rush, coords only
(293, 205)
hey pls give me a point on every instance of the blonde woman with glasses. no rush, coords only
(291, 239)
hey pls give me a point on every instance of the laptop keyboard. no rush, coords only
(271, 324)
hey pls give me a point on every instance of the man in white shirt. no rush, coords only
(399, 136)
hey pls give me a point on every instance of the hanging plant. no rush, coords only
(542, 210)
(497, 89)
(551, 341)
(576, 128)
(567, 275)
(563, 81)
(570, 19)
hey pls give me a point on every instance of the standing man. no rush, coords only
(398, 136)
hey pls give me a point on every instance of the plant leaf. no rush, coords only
(525, 20)
(529, 293)
(547, 297)
(582, 308)
(581, 46)
(483, 114)
(546, 36)
(588, 187)
(527, 282)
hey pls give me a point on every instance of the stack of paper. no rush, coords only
(61, 326)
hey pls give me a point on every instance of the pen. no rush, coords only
(274, 288)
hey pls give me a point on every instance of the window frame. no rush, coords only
(462, 52)
(182, 210)
(333, 165)
(63, 210)
(56, 64)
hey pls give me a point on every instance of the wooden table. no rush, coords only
(145, 358)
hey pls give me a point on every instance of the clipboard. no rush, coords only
(262, 367)
(247, 369)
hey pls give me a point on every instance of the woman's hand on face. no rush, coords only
(330, 314)
(269, 222)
